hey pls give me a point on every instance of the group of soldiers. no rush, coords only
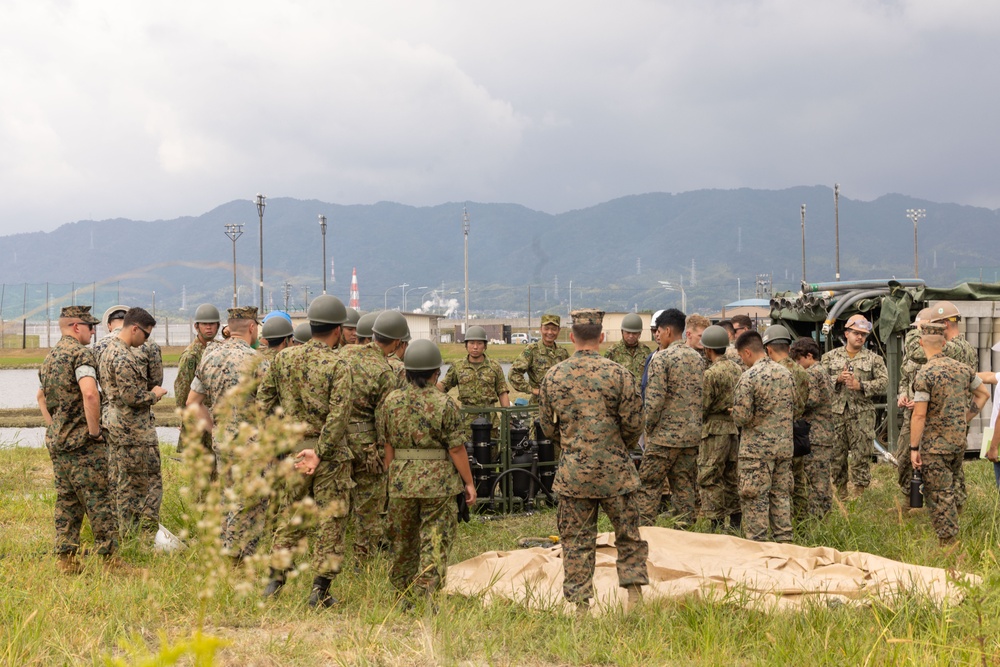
(741, 428)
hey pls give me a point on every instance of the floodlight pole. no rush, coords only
(322, 226)
(234, 231)
(261, 203)
(915, 214)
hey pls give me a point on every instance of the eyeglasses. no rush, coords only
(86, 324)
(145, 334)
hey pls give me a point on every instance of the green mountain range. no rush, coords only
(713, 242)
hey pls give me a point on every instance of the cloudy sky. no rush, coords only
(117, 108)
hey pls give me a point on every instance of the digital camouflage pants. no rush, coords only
(246, 517)
(577, 521)
(138, 487)
(817, 480)
(765, 488)
(423, 530)
(939, 472)
(330, 489)
(717, 476)
(81, 481)
(905, 469)
(679, 466)
(854, 433)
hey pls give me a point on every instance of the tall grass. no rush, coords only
(193, 603)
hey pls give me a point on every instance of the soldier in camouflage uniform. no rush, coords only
(859, 376)
(129, 423)
(312, 386)
(817, 462)
(776, 343)
(762, 407)
(70, 405)
(537, 358)
(226, 380)
(206, 326)
(629, 352)
(719, 435)
(913, 359)
(148, 355)
(427, 464)
(739, 323)
(350, 328)
(941, 393)
(591, 408)
(396, 358)
(372, 380)
(672, 424)
(479, 380)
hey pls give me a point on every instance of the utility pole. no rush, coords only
(836, 227)
(261, 203)
(465, 232)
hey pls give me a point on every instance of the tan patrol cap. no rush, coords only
(551, 319)
(81, 312)
(931, 329)
(587, 316)
(243, 313)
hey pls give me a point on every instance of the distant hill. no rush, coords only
(613, 253)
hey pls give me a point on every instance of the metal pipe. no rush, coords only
(860, 284)
(849, 299)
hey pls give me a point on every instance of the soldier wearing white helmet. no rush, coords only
(859, 376)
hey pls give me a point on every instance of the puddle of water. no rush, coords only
(35, 437)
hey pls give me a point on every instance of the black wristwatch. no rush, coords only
(95, 438)
(914, 449)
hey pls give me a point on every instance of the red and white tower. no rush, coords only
(354, 289)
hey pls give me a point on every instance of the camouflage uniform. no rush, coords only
(913, 358)
(312, 386)
(186, 367)
(79, 464)
(719, 442)
(632, 358)
(397, 367)
(148, 356)
(946, 386)
(673, 432)
(817, 462)
(372, 378)
(135, 458)
(479, 386)
(421, 492)
(800, 481)
(854, 414)
(535, 360)
(228, 375)
(763, 408)
(590, 407)
(961, 350)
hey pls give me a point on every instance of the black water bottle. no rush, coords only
(916, 490)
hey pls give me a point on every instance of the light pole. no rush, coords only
(261, 203)
(322, 227)
(465, 231)
(836, 226)
(234, 231)
(803, 213)
(385, 301)
(915, 214)
(670, 287)
(407, 291)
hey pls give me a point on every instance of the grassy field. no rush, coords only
(49, 618)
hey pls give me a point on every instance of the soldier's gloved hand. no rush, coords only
(374, 462)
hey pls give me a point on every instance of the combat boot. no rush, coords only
(320, 594)
(736, 522)
(69, 564)
(634, 595)
(276, 579)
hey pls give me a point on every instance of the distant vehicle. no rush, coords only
(521, 338)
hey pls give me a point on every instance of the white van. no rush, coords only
(521, 338)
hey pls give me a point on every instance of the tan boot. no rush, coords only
(634, 596)
(69, 564)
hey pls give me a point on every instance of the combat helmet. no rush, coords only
(352, 318)
(773, 334)
(206, 314)
(632, 323)
(365, 325)
(715, 338)
(327, 309)
(390, 324)
(302, 333)
(922, 317)
(422, 355)
(111, 311)
(944, 310)
(276, 327)
(476, 333)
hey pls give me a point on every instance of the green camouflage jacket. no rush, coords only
(60, 374)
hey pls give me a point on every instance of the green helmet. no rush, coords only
(303, 334)
(206, 314)
(352, 318)
(476, 333)
(406, 338)
(365, 325)
(390, 324)
(773, 334)
(632, 323)
(715, 338)
(276, 327)
(422, 355)
(327, 309)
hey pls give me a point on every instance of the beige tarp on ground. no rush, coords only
(753, 574)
